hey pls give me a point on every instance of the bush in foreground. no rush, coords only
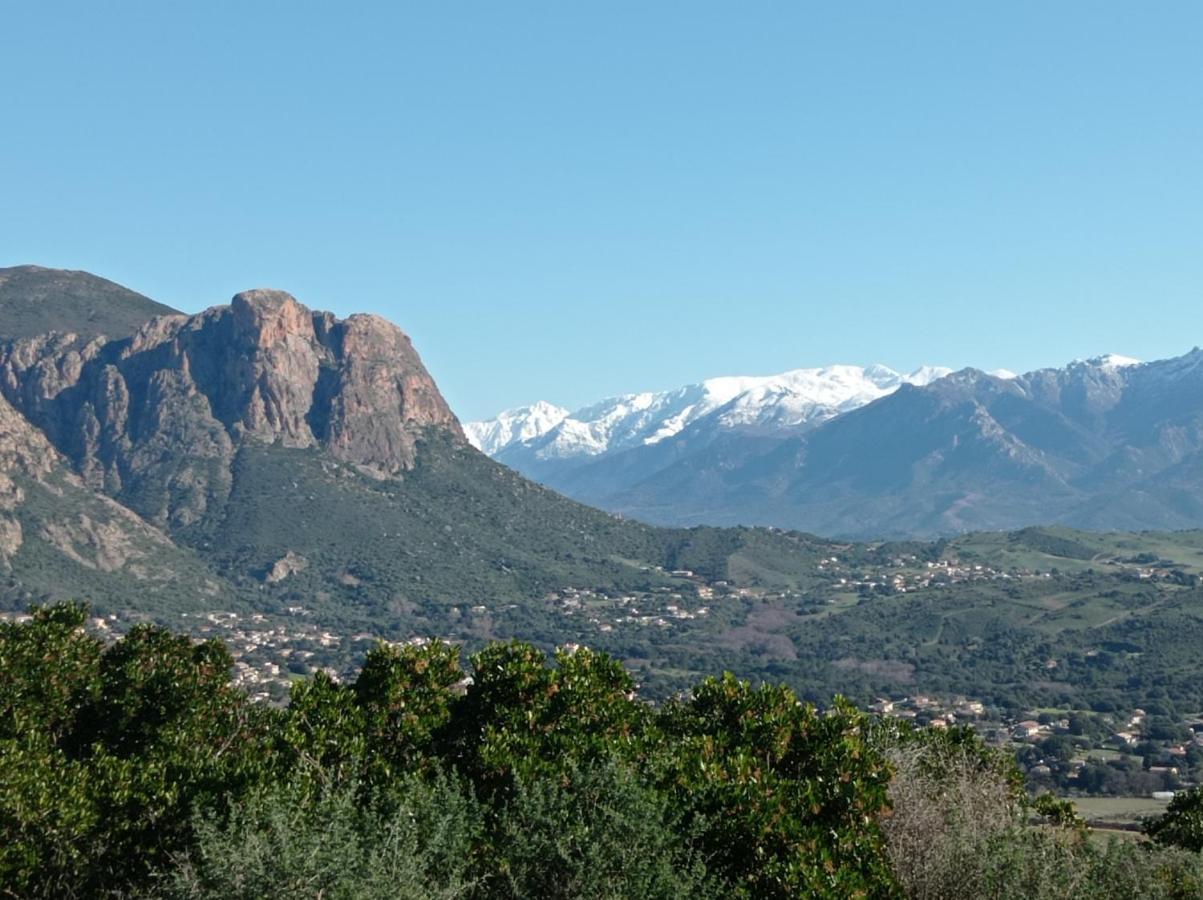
(136, 769)
(1182, 823)
(289, 841)
(963, 827)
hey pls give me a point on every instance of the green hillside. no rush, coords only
(456, 531)
(79, 545)
(34, 300)
(301, 558)
(463, 549)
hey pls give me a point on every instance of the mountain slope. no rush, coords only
(156, 419)
(35, 300)
(305, 473)
(59, 539)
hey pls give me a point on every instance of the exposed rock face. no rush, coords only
(22, 448)
(157, 419)
(19, 450)
(375, 395)
(288, 564)
(91, 530)
(107, 546)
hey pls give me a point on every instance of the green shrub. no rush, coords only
(1048, 864)
(417, 842)
(596, 833)
(104, 754)
(960, 829)
(521, 716)
(787, 799)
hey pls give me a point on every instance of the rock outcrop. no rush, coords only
(89, 529)
(20, 451)
(156, 419)
(286, 566)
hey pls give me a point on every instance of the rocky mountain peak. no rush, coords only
(264, 368)
(268, 317)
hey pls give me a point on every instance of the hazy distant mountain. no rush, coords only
(34, 301)
(563, 449)
(1101, 443)
(1096, 444)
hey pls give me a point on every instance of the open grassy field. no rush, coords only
(1119, 810)
(1070, 551)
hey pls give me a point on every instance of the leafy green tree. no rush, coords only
(1182, 823)
(521, 716)
(787, 798)
(405, 696)
(1058, 811)
(106, 752)
(49, 673)
(324, 729)
(596, 832)
(168, 732)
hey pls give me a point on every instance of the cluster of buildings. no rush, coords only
(660, 608)
(270, 655)
(908, 573)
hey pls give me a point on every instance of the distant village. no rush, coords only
(1064, 750)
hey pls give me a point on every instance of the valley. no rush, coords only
(1045, 641)
(601, 452)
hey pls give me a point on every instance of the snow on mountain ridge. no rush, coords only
(789, 399)
(523, 423)
(1107, 361)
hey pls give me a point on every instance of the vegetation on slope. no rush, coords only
(34, 301)
(465, 550)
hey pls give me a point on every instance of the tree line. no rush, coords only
(136, 769)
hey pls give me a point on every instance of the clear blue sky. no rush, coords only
(567, 200)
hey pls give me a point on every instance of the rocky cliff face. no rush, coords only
(22, 450)
(46, 511)
(156, 419)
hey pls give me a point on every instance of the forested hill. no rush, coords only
(297, 482)
(264, 457)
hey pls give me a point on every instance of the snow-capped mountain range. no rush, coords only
(801, 397)
(798, 398)
(514, 426)
(1105, 442)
